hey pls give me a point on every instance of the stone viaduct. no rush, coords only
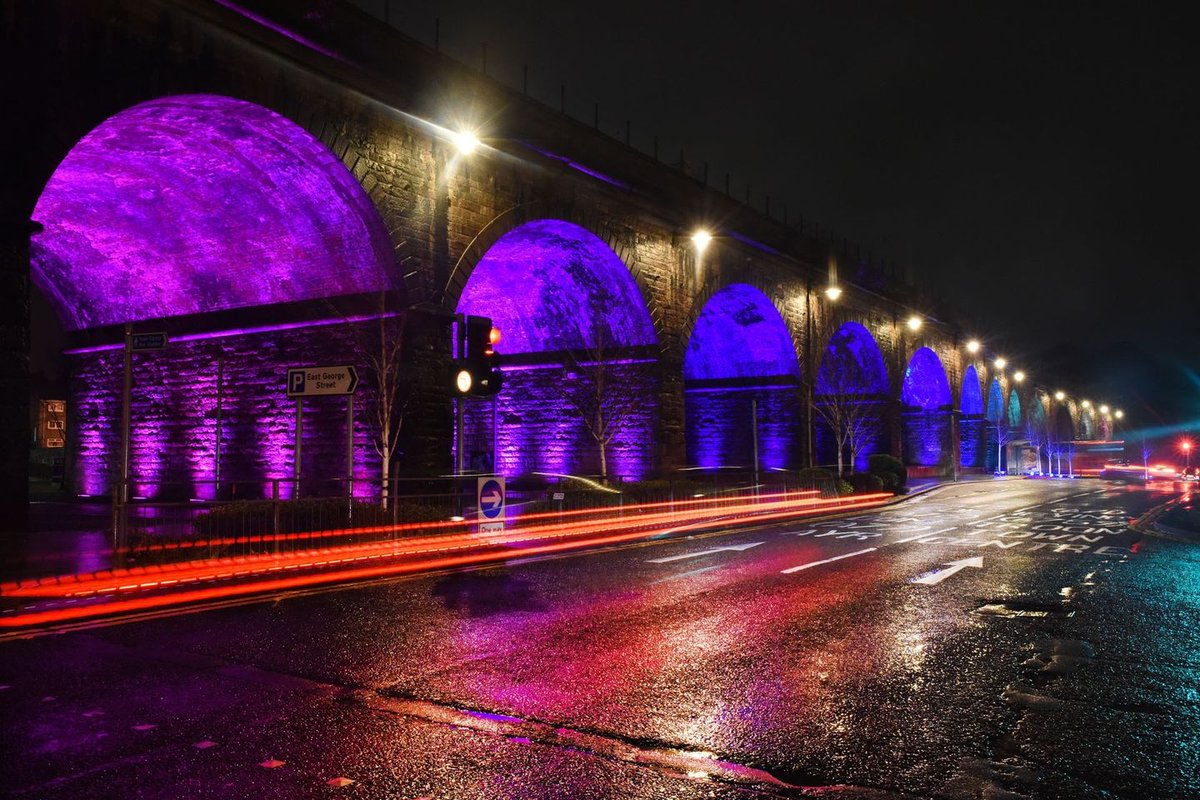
(274, 182)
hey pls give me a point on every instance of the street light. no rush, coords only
(1060, 396)
(1186, 446)
(973, 346)
(1000, 363)
(914, 323)
(833, 292)
(1018, 376)
(1119, 414)
(1086, 404)
(1103, 409)
(466, 141)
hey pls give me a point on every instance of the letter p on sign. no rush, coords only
(295, 381)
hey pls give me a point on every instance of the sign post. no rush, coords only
(490, 497)
(318, 381)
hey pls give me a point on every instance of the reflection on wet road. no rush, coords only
(1012, 637)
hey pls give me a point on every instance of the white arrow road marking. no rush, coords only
(937, 576)
(828, 560)
(738, 547)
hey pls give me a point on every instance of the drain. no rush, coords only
(1023, 608)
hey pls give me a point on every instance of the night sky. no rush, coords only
(1033, 165)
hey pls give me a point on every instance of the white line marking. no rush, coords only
(681, 557)
(828, 560)
(934, 578)
(923, 535)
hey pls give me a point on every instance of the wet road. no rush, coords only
(873, 655)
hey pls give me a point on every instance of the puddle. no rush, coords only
(1023, 608)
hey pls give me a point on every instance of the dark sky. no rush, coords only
(1035, 165)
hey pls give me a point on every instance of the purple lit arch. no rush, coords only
(197, 203)
(741, 370)
(551, 286)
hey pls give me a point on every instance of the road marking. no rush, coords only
(687, 574)
(681, 557)
(923, 535)
(828, 560)
(937, 576)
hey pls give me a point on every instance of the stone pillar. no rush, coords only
(15, 431)
(672, 454)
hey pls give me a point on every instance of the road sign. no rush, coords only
(148, 341)
(311, 381)
(490, 494)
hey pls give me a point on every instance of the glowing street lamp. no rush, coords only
(833, 292)
(700, 239)
(973, 346)
(1186, 446)
(1086, 404)
(1119, 414)
(466, 141)
(914, 323)
(1060, 396)
(1018, 376)
(1000, 363)
(1103, 409)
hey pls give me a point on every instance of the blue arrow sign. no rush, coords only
(491, 498)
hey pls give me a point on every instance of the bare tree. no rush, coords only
(848, 412)
(1146, 453)
(379, 347)
(1004, 435)
(592, 388)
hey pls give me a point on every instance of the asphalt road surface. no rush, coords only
(996, 639)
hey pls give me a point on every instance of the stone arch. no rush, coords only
(191, 204)
(619, 241)
(741, 373)
(927, 403)
(184, 209)
(997, 424)
(851, 381)
(972, 427)
(576, 333)
(1015, 417)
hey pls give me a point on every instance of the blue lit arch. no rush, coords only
(740, 370)
(971, 433)
(852, 366)
(925, 395)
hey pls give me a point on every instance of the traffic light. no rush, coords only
(476, 370)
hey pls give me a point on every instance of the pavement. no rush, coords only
(1014, 639)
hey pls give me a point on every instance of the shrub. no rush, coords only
(865, 482)
(814, 475)
(890, 482)
(881, 462)
(844, 488)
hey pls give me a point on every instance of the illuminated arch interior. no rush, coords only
(740, 334)
(971, 433)
(925, 392)
(972, 397)
(852, 367)
(197, 203)
(741, 370)
(852, 364)
(925, 385)
(1014, 409)
(995, 405)
(552, 285)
